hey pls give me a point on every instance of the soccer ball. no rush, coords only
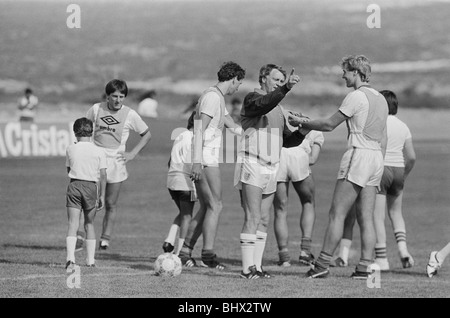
(167, 265)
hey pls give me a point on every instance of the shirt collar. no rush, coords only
(260, 91)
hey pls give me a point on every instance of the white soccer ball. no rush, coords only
(168, 265)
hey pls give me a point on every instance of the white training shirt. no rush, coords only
(132, 122)
(356, 106)
(397, 133)
(313, 137)
(30, 109)
(178, 177)
(85, 161)
(211, 105)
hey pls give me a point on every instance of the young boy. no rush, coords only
(181, 187)
(86, 166)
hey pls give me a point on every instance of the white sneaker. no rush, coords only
(383, 263)
(433, 264)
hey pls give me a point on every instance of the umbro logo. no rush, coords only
(110, 120)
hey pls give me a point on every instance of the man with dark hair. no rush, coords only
(365, 110)
(113, 122)
(211, 116)
(27, 106)
(265, 128)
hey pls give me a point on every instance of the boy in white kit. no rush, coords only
(181, 187)
(86, 167)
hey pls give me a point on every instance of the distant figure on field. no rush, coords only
(148, 105)
(27, 106)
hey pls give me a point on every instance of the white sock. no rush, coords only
(172, 234)
(90, 251)
(71, 241)
(442, 254)
(260, 245)
(247, 249)
(180, 246)
(344, 249)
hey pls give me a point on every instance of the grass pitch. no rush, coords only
(34, 224)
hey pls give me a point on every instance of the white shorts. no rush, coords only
(116, 170)
(294, 165)
(260, 175)
(211, 156)
(363, 167)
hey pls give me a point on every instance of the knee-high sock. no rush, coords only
(90, 251)
(248, 242)
(260, 245)
(71, 241)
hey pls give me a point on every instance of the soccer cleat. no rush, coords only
(263, 274)
(433, 264)
(407, 262)
(187, 260)
(361, 275)
(306, 259)
(339, 262)
(103, 246)
(313, 273)
(212, 263)
(167, 247)
(70, 264)
(383, 263)
(253, 274)
(79, 244)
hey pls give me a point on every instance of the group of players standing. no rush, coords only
(262, 176)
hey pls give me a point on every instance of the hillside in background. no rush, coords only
(177, 47)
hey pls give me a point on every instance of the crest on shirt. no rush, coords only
(110, 120)
(246, 176)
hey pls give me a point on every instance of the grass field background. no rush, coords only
(34, 223)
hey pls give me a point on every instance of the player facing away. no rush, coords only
(181, 187)
(265, 133)
(398, 162)
(86, 166)
(294, 166)
(365, 110)
(210, 119)
(436, 260)
(112, 124)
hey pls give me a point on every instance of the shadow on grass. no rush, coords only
(35, 247)
(31, 262)
(123, 258)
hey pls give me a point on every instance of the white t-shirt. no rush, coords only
(30, 109)
(178, 177)
(132, 122)
(147, 108)
(313, 137)
(356, 106)
(397, 133)
(85, 161)
(211, 106)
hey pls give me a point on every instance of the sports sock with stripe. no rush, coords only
(323, 262)
(400, 237)
(248, 242)
(380, 250)
(260, 245)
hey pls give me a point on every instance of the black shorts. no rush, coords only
(392, 181)
(82, 195)
(178, 195)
